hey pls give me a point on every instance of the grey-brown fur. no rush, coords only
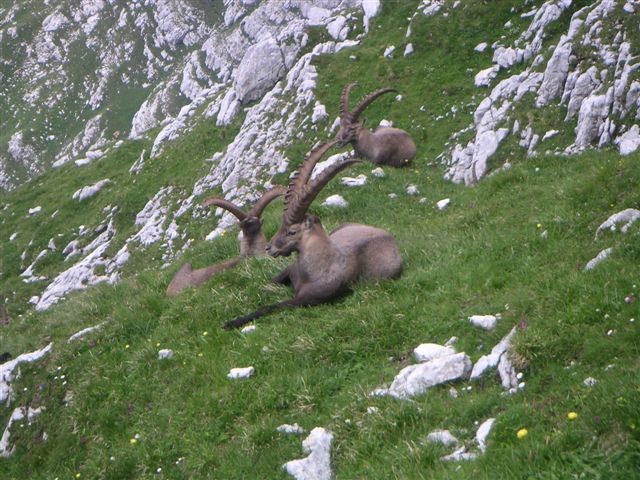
(384, 146)
(327, 264)
(253, 242)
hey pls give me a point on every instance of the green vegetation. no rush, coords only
(316, 366)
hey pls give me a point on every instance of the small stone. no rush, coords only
(335, 201)
(378, 172)
(442, 204)
(236, 373)
(290, 429)
(488, 322)
(165, 354)
(442, 436)
(248, 329)
(412, 190)
(589, 382)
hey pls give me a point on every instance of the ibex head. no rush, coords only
(253, 241)
(349, 125)
(300, 194)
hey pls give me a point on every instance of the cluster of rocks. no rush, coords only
(625, 217)
(161, 52)
(604, 99)
(9, 372)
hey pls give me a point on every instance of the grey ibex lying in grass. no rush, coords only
(385, 146)
(253, 242)
(327, 264)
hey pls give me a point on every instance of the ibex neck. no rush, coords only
(317, 253)
(365, 144)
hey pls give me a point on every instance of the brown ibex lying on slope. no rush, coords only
(253, 242)
(327, 264)
(385, 146)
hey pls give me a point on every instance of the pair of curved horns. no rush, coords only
(240, 214)
(353, 115)
(301, 193)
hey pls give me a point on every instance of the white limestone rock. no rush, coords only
(378, 172)
(458, 455)
(481, 47)
(294, 429)
(358, 181)
(370, 9)
(90, 190)
(18, 414)
(483, 432)
(259, 70)
(84, 332)
(594, 112)
(508, 375)
(242, 372)
(444, 203)
(488, 322)
(335, 201)
(417, 379)
(443, 437)
(165, 354)
(627, 216)
(408, 49)
(7, 371)
(319, 113)
(317, 465)
(594, 262)
(483, 77)
(629, 141)
(491, 360)
(429, 351)
(338, 28)
(555, 74)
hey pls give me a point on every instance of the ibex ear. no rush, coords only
(308, 222)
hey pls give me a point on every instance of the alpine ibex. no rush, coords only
(253, 242)
(385, 146)
(327, 264)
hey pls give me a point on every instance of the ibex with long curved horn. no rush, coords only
(253, 242)
(385, 146)
(327, 264)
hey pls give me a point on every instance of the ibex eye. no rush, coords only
(291, 232)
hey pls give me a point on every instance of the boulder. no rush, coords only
(259, 70)
(417, 379)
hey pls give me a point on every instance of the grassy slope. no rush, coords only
(481, 254)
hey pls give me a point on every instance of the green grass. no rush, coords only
(316, 366)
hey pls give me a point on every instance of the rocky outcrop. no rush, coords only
(157, 60)
(601, 89)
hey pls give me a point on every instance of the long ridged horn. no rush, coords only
(266, 198)
(298, 208)
(227, 205)
(344, 100)
(353, 116)
(303, 174)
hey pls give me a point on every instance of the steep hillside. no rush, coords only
(533, 104)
